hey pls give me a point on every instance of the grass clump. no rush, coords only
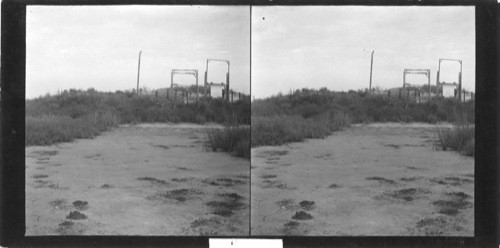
(232, 138)
(281, 129)
(460, 137)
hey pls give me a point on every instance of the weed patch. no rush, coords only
(301, 215)
(76, 215)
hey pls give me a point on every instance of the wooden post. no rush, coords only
(138, 71)
(371, 69)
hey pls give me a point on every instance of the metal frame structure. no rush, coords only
(426, 72)
(227, 77)
(184, 71)
(438, 83)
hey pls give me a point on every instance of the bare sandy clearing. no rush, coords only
(366, 180)
(136, 180)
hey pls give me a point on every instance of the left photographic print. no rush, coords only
(137, 120)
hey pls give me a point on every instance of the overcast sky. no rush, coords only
(97, 46)
(314, 47)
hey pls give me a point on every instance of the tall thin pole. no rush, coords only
(371, 69)
(138, 72)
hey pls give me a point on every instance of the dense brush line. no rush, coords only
(84, 114)
(309, 113)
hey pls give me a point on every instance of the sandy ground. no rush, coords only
(151, 179)
(380, 179)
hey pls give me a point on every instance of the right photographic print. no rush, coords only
(362, 121)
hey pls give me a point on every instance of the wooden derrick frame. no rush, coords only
(438, 82)
(184, 71)
(227, 77)
(426, 72)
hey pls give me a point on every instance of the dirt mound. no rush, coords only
(268, 176)
(292, 224)
(232, 196)
(409, 194)
(454, 181)
(276, 184)
(40, 176)
(76, 215)
(153, 181)
(302, 215)
(81, 205)
(205, 222)
(452, 206)
(162, 146)
(181, 180)
(180, 195)
(224, 181)
(66, 223)
(230, 202)
(409, 179)
(307, 205)
(106, 186)
(381, 180)
(272, 153)
(44, 153)
(333, 186)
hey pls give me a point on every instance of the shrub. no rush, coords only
(460, 137)
(231, 138)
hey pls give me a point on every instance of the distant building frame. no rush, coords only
(227, 77)
(439, 83)
(184, 71)
(426, 72)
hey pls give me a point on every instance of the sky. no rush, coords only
(81, 47)
(298, 47)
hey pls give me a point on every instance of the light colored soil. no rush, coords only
(365, 180)
(148, 179)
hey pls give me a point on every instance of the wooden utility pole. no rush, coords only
(371, 69)
(138, 72)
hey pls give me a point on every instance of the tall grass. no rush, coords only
(281, 129)
(459, 137)
(231, 138)
(51, 129)
(309, 113)
(84, 114)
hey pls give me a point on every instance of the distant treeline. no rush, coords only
(84, 114)
(296, 116)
